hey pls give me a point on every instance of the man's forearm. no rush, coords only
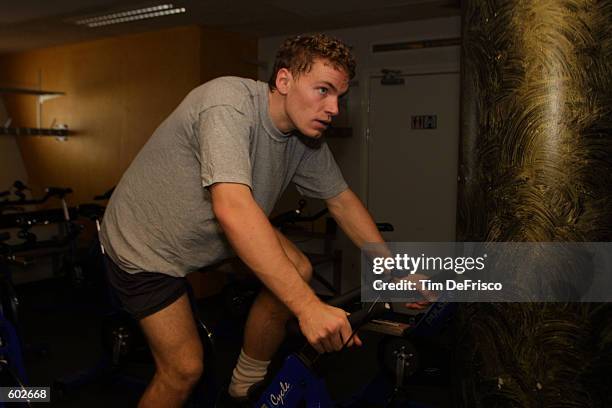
(354, 219)
(255, 242)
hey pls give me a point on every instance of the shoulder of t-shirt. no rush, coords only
(238, 93)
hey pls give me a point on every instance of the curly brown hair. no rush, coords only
(298, 53)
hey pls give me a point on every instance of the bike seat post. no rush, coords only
(400, 364)
(98, 232)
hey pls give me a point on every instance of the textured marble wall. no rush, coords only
(536, 165)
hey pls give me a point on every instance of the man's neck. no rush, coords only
(276, 110)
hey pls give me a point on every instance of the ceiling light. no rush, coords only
(124, 14)
(131, 15)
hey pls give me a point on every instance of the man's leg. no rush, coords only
(175, 343)
(265, 327)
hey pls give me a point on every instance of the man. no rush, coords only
(201, 189)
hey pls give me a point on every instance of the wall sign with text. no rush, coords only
(424, 122)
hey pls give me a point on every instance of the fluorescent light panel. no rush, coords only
(125, 14)
(131, 15)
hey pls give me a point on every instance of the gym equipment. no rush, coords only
(69, 231)
(50, 192)
(299, 381)
(12, 370)
(239, 296)
(282, 220)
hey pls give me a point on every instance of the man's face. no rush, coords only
(312, 97)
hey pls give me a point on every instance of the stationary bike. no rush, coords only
(299, 383)
(12, 369)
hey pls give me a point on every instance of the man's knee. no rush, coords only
(190, 370)
(297, 257)
(183, 373)
(304, 267)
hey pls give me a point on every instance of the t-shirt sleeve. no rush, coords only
(223, 134)
(318, 175)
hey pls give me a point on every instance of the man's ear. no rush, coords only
(283, 80)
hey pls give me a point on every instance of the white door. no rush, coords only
(413, 150)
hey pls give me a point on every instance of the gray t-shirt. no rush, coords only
(160, 216)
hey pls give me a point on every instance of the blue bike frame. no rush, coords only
(296, 381)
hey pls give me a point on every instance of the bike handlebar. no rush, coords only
(105, 196)
(296, 216)
(59, 192)
(356, 319)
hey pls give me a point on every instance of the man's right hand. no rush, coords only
(428, 295)
(326, 328)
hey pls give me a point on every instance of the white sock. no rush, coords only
(248, 371)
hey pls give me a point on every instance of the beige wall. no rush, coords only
(118, 90)
(224, 53)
